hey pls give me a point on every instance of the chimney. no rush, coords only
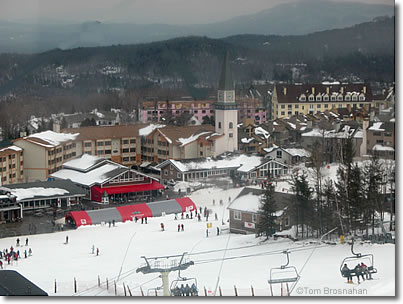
(327, 90)
(364, 89)
(285, 91)
(313, 90)
(342, 90)
(56, 127)
(363, 147)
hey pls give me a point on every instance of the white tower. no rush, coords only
(226, 112)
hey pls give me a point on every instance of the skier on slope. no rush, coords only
(162, 227)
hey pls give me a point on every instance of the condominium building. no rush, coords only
(294, 99)
(11, 165)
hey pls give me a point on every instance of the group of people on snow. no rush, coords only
(9, 255)
(357, 271)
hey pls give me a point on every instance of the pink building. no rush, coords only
(154, 111)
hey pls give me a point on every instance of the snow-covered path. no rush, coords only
(53, 260)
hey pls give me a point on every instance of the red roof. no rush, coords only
(97, 191)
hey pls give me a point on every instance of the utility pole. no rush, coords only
(161, 265)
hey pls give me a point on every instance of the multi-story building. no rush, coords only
(45, 153)
(253, 138)
(379, 139)
(121, 143)
(11, 165)
(292, 99)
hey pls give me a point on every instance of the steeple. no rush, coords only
(226, 83)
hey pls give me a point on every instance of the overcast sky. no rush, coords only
(138, 11)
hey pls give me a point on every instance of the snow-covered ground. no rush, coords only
(247, 262)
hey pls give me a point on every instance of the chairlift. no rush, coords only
(284, 274)
(177, 284)
(352, 261)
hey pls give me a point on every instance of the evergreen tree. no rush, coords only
(302, 208)
(355, 193)
(267, 221)
(372, 192)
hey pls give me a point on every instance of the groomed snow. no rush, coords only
(248, 259)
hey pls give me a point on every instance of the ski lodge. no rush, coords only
(107, 182)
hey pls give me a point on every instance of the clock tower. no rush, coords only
(226, 112)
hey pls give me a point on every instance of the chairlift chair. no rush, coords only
(183, 280)
(283, 274)
(352, 261)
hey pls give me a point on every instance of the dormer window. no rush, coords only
(354, 98)
(348, 98)
(333, 98)
(362, 97)
(340, 97)
(318, 98)
(326, 98)
(231, 125)
(302, 98)
(311, 98)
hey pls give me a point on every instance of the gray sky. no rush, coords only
(138, 11)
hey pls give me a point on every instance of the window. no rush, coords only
(108, 143)
(179, 175)
(354, 98)
(219, 125)
(231, 135)
(237, 215)
(108, 151)
(166, 172)
(311, 98)
(296, 106)
(132, 141)
(318, 98)
(333, 98)
(289, 107)
(362, 97)
(282, 106)
(325, 98)
(279, 154)
(201, 153)
(302, 98)
(340, 97)
(318, 106)
(347, 98)
(125, 141)
(282, 113)
(125, 150)
(132, 149)
(289, 112)
(231, 125)
(326, 105)
(125, 159)
(100, 143)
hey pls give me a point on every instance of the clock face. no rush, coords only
(230, 96)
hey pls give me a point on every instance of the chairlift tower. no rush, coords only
(164, 265)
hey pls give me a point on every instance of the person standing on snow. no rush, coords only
(30, 252)
(67, 239)
(97, 251)
(183, 227)
(18, 242)
(26, 242)
(162, 227)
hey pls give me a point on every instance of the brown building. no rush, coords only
(11, 165)
(380, 139)
(244, 211)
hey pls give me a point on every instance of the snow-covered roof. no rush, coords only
(298, 152)
(193, 137)
(382, 148)
(376, 127)
(261, 131)
(246, 140)
(359, 134)
(51, 139)
(22, 194)
(98, 175)
(243, 163)
(14, 148)
(247, 203)
(344, 132)
(147, 130)
(83, 163)
(268, 150)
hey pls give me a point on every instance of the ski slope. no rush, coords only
(247, 259)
